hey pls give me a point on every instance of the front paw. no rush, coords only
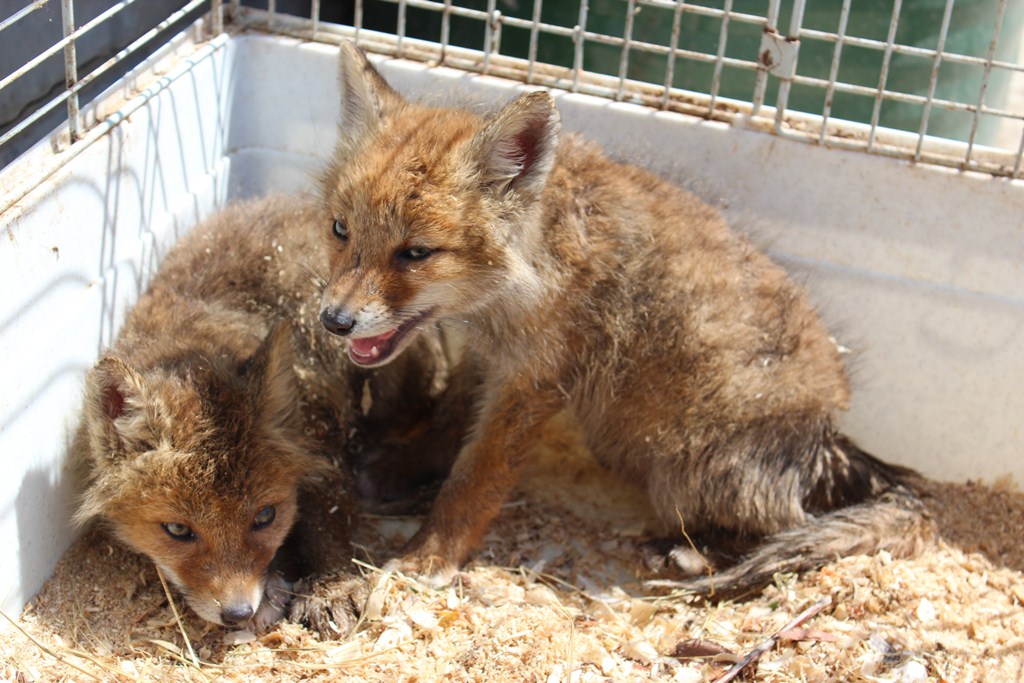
(329, 605)
(432, 570)
(276, 595)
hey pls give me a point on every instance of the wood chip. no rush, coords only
(701, 649)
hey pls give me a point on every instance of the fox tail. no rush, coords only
(892, 518)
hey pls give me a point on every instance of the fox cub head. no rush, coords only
(431, 212)
(198, 467)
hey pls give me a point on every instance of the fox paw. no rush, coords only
(329, 605)
(668, 556)
(276, 595)
(431, 570)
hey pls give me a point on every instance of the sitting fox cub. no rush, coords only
(215, 428)
(694, 365)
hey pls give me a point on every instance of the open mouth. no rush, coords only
(377, 350)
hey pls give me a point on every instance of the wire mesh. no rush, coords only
(928, 80)
(58, 55)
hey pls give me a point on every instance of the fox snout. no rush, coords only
(337, 321)
(224, 600)
(376, 332)
(352, 304)
(259, 602)
(237, 613)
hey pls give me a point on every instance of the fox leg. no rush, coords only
(277, 594)
(485, 471)
(402, 472)
(330, 595)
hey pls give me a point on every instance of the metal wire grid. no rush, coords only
(773, 62)
(77, 132)
(74, 84)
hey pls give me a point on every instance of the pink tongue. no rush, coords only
(369, 347)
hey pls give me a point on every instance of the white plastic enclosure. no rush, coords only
(918, 269)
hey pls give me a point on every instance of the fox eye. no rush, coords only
(340, 229)
(179, 532)
(264, 517)
(415, 253)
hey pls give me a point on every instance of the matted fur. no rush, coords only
(694, 364)
(222, 397)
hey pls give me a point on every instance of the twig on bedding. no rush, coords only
(177, 619)
(768, 644)
(47, 650)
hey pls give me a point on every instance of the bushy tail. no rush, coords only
(887, 515)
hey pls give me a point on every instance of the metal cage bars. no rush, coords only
(78, 136)
(71, 34)
(776, 64)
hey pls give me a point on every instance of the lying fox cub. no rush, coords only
(694, 365)
(215, 427)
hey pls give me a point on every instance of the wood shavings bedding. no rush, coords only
(555, 594)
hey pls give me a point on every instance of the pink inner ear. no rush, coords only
(525, 145)
(113, 402)
(523, 148)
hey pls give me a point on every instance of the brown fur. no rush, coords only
(694, 364)
(223, 395)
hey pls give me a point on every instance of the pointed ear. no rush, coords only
(115, 389)
(276, 389)
(516, 149)
(113, 415)
(366, 98)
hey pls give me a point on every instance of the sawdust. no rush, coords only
(555, 595)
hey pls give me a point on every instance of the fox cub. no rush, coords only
(217, 427)
(694, 365)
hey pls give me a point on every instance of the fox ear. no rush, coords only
(117, 389)
(272, 368)
(516, 149)
(366, 98)
(114, 398)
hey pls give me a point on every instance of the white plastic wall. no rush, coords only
(74, 254)
(918, 269)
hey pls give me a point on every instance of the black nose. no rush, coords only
(233, 615)
(337, 322)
